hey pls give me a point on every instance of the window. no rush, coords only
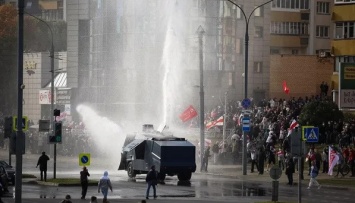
(258, 67)
(344, 30)
(304, 41)
(274, 51)
(289, 28)
(294, 51)
(322, 31)
(291, 4)
(238, 46)
(304, 16)
(344, 1)
(322, 7)
(238, 12)
(258, 12)
(258, 32)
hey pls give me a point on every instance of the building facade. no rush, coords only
(301, 27)
(121, 52)
(343, 44)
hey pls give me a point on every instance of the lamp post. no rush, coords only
(19, 134)
(201, 32)
(247, 19)
(51, 55)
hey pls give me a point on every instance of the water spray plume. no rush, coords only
(106, 135)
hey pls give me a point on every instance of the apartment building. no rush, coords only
(343, 48)
(301, 27)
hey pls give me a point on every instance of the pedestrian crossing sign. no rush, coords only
(312, 134)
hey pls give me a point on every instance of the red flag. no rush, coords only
(218, 122)
(285, 88)
(188, 114)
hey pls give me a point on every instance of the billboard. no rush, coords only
(347, 86)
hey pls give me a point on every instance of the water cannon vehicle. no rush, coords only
(170, 155)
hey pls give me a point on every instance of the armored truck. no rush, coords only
(170, 155)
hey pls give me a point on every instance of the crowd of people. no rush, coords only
(270, 127)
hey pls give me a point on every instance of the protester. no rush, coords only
(152, 181)
(104, 185)
(84, 174)
(42, 163)
(314, 174)
(290, 170)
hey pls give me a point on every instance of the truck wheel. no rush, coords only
(161, 176)
(130, 170)
(184, 176)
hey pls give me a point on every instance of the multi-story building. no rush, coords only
(120, 52)
(231, 44)
(301, 27)
(343, 48)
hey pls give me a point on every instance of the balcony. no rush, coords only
(343, 47)
(290, 41)
(343, 13)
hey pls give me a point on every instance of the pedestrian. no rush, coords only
(314, 174)
(290, 170)
(152, 181)
(325, 160)
(206, 156)
(84, 174)
(67, 199)
(261, 160)
(42, 163)
(104, 200)
(104, 185)
(281, 159)
(253, 158)
(93, 199)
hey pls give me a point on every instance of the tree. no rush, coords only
(316, 113)
(37, 38)
(8, 73)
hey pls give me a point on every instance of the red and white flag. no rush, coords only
(218, 122)
(188, 114)
(333, 159)
(293, 125)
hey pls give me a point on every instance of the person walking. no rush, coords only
(42, 163)
(152, 181)
(84, 174)
(314, 174)
(104, 185)
(290, 169)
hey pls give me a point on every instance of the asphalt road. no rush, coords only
(202, 187)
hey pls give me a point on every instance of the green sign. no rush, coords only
(347, 85)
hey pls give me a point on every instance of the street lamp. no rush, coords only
(247, 19)
(51, 55)
(200, 33)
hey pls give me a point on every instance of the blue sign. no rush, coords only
(246, 124)
(311, 134)
(84, 159)
(246, 103)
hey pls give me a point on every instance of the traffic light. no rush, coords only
(57, 136)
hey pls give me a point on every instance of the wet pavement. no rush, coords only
(222, 183)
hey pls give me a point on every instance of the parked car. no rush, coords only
(10, 171)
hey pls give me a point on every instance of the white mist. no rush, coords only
(105, 135)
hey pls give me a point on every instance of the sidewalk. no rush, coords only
(236, 171)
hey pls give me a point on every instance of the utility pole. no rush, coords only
(202, 95)
(224, 119)
(21, 86)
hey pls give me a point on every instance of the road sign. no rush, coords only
(24, 123)
(275, 172)
(312, 134)
(43, 125)
(246, 103)
(246, 124)
(84, 159)
(304, 132)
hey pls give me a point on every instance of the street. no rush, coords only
(221, 184)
